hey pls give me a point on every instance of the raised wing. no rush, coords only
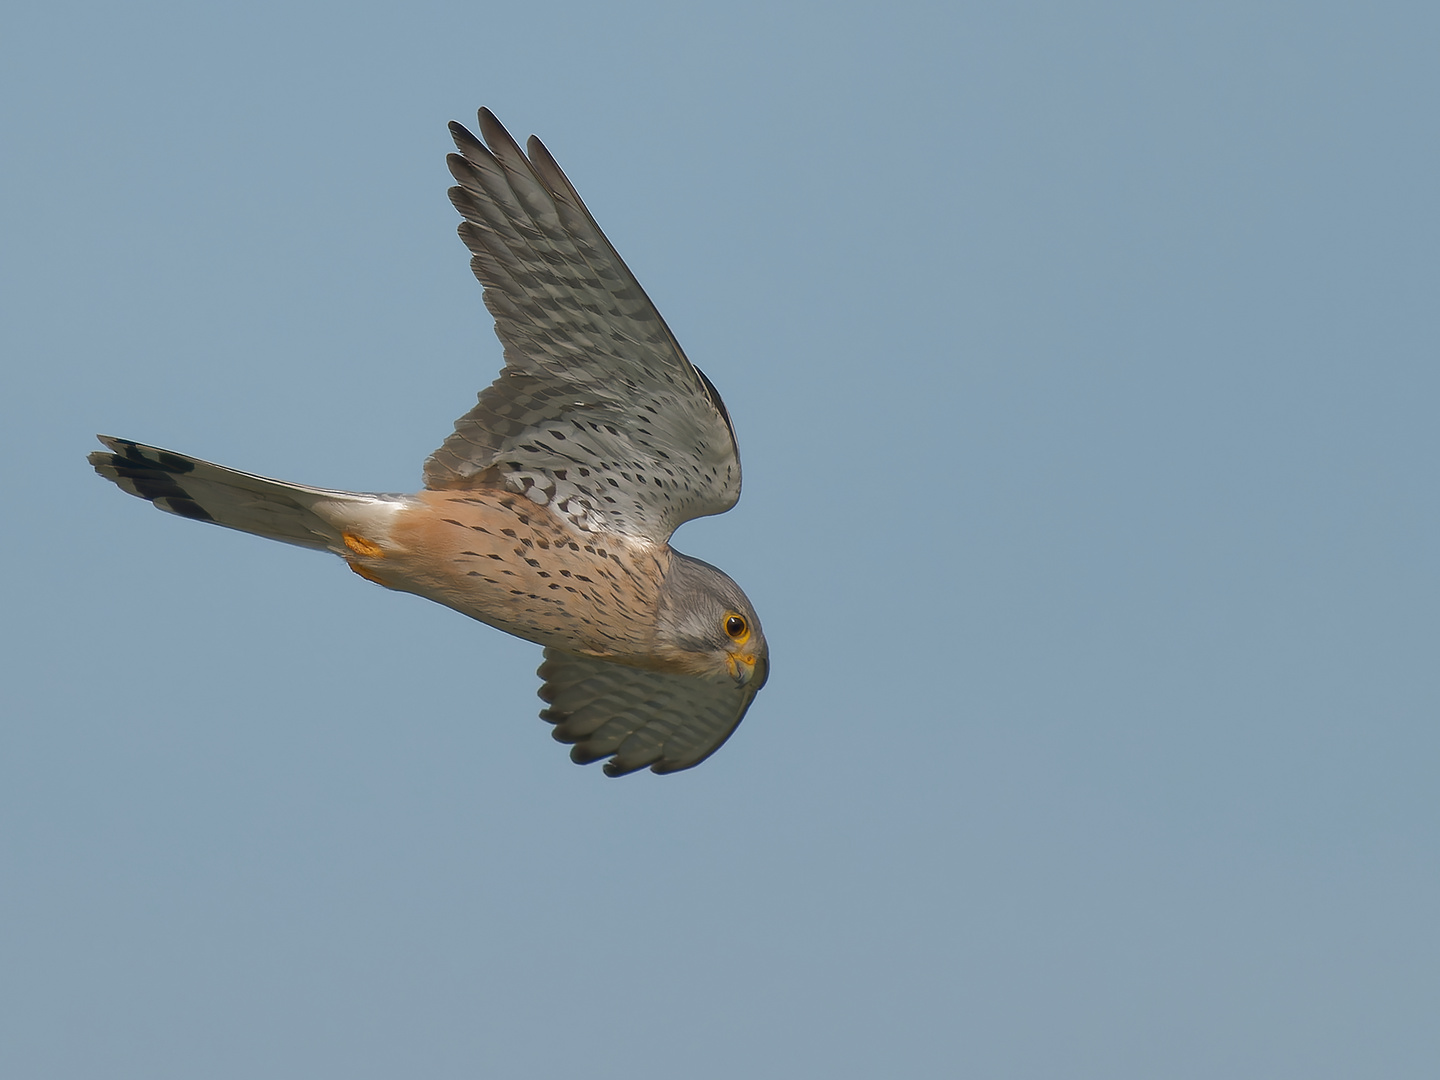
(597, 412)
(636, 717)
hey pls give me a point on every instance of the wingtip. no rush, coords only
(465, 141)
(615, 770)
(501, 143)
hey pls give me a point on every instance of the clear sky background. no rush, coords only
(1085, 364)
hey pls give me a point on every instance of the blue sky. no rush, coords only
(1084, 365)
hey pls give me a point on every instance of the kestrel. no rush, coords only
(548, 512)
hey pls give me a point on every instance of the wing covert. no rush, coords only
(597, 411)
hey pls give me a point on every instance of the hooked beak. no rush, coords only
(742, 666)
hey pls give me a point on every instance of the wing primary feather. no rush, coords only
(635, 717)
(584, 346)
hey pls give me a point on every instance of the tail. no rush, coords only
(291, 513)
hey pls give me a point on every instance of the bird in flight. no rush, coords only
(548, 511)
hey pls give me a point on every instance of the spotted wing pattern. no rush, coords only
(668, 722)
(597, 413)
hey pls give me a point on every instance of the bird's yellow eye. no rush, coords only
(736, 628)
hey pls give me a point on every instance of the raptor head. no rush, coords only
(708, 628)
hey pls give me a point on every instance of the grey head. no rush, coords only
(707, 626)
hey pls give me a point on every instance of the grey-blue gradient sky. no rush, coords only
(1084, 363)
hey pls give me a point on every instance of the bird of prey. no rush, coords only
(547, 513)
